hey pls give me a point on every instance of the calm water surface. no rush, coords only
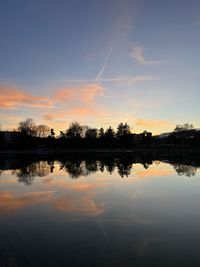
(99, 213)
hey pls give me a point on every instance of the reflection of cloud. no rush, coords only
(142, 246)
(9, 202)
(74, 203)
(7, 181)
(138, 55)
(154, 173)
(14, 98)
(78, 199)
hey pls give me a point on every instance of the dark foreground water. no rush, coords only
(99, 211)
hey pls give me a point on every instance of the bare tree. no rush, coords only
(27, 127)
(42, 130)
(184, 127)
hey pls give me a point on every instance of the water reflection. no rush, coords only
(76, 210)
(187, 170)
(77, 167)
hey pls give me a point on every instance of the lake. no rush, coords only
(107, 210)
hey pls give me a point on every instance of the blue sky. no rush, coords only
(100, 63)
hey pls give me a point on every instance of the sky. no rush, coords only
(100, 62)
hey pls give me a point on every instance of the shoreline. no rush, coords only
(100, 151)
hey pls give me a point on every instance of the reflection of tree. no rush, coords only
(101, 166)
(91, 166)
(186, 170)
(75, 168)
(27, 173)
(110, 165)
(51, 164)
(146, 165)
(124, 168)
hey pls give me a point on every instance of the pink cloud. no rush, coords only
(11, 97)
(152, 123)
(85, 93)
(77, 111)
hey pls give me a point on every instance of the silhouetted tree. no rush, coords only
(42, 130)
(91, 133)
(110, 133)
(74, 131)
(101, 133)
(62, 134)
(183, 131)
(183, 127)
(52, 134)
(27, 127)
(123, 129)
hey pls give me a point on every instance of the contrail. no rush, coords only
(130, 78)
(103, 231)
(104, 65)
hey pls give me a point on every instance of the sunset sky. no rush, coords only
(100, 62)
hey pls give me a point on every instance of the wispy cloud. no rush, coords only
(152, 123)
(113, 79)
(84, 93)
(196, 21)
(138, 54)
(14, 98)
(76, 111)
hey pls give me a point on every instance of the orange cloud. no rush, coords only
(83, 204)
(10, 203)
(85, 93)
(13, 98)
(154, 173)
(79, 111)
(9, 118)
(85, 111)
(152, 123)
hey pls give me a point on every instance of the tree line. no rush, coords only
(31, 135)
